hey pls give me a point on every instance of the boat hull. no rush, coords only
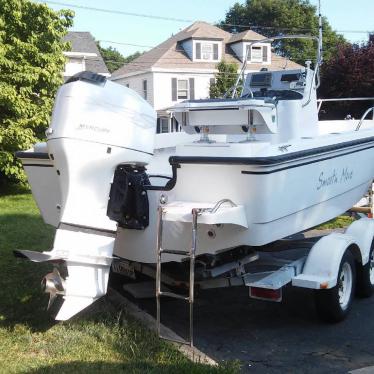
(279, 200)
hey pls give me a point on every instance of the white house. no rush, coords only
(184, 66)
(84, 55)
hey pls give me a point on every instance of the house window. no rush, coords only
(145, 89)
(182, 89)
(206, 51)
(256, 53)
(162, 125)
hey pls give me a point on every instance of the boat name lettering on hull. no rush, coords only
(334, 178)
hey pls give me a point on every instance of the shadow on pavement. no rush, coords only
(274, 337)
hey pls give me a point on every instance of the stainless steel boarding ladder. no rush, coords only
(191, 254)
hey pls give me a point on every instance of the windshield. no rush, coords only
(264, 93)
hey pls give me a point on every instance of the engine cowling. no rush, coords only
(96, 125)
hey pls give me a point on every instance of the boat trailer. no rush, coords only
(327, 261)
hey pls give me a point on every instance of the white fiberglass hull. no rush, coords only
(279, 198)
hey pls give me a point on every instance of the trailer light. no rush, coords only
(265, 294)
(324, 285)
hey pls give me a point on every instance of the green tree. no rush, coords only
(275, 17)
(224, 79)
(112, 58)
(132, 57)
(31, 66)
(350, 73)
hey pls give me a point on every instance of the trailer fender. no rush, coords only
(362, 231)
(321, 267)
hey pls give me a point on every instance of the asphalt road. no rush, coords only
(266, 337)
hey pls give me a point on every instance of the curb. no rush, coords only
(193, 354)
(365, 370)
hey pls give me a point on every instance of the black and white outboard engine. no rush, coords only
(96, 126)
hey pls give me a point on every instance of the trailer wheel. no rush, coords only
(365, 276)
(334, 304)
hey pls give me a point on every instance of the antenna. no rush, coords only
(320, 33)
(281, 37)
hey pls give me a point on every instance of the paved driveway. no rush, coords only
(275, 338)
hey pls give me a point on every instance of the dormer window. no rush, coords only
(207, 51)
(257, 53)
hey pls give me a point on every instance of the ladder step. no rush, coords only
(178, 341)
(174, 295)
(191, 254)
(175, 252)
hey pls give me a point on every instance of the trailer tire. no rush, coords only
(365, 276)
(334, 304)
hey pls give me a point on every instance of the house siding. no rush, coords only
(188, 47)
(163, 92)
(238, 50)
(135, 82)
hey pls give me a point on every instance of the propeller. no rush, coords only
(53, 284)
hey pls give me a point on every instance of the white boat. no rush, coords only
(255, 169)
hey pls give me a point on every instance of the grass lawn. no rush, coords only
(336, 223)
(98, 341)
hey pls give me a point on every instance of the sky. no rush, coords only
(139, 33)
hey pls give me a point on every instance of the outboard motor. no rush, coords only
(96, 126)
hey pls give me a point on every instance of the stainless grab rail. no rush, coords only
(363, 117)
(321, 101)
(217, 206)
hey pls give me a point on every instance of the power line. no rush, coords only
(252, 26)
(119, 12)
(141, 15)
(131, 44)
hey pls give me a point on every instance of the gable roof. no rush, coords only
(247, 35)
(171, 55)
(202, 30)
(84, 42)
